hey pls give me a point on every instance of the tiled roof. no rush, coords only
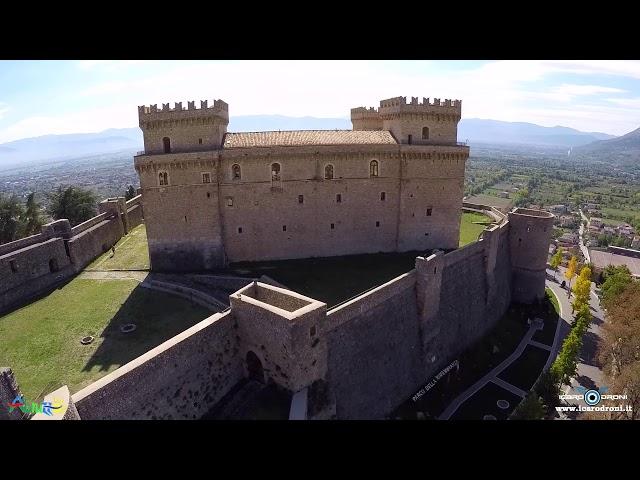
(308, 137)
(602, 259)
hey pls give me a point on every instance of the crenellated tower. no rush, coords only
(180, 129)
(414, 122)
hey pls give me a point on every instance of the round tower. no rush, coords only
(529, 237)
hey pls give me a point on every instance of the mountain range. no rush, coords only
(623, 150)
(58, 147)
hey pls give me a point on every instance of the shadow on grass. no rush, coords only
(333, 279)
(158, 317)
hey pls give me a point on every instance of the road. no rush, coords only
(583, 248)
(589, 368)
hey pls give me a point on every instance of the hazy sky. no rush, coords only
(43, 97)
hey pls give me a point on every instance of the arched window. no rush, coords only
(373, 168)
(328, 172)
(275, 172)
(425, 133)
(163, 178)
(167, 144)
(235, 172)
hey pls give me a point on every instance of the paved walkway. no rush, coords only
(492, 376)
(140, 276)
(562, 329)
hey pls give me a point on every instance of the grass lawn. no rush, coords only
(484, 402)
(132, 253)
(332, 279)
(490, 200)
(469, 231)
(549, 312)
(526, 369)
(41, 342)
(613, 223)
(618, 212)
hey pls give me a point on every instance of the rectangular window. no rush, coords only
(383, 196)
(300, 198)
(284, 228)
(200, 141)
(339, 198)
(229, 201)
(206, 178)
(332, 226)
(377, 224)
(14, 266)
(239, 229)
(429, 210)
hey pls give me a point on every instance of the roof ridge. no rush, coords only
(312, 130)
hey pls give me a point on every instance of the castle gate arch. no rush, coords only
(254, 367)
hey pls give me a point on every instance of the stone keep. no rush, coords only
(392, 184)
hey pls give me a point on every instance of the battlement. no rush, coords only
(363, 112)
(218, 106)
(398, 104)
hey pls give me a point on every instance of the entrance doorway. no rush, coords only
(254, 367)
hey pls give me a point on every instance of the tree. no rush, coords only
(582, 289)
(11, 212)
(548, 388)
(531, 408)
(619, 349)
(32, 218)
(556, 260)
(565, 365)
(616, 281)
(73, 203)
(571, 270)
(130, 193)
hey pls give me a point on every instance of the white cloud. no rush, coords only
(108, 65)
(4, 108)
(510, 90)
(95, 120)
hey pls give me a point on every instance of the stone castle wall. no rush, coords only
(372, 352)
(201, 216)
(183, 378)
(31, 266)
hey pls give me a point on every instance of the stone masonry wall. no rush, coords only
(181, 379)
(94, 241)
(31, 266)
(375, 356)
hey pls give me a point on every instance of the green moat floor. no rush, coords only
(41, 341)
(132, 253)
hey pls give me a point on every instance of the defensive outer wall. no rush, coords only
(35, 264)
(358, 360)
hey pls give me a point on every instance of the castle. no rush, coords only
(392, 184)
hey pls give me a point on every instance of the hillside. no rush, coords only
(498, 132)
(624, 150)
(60, 147)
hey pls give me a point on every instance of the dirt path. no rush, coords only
(140, 276)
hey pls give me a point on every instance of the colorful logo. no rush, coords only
(47, 408)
